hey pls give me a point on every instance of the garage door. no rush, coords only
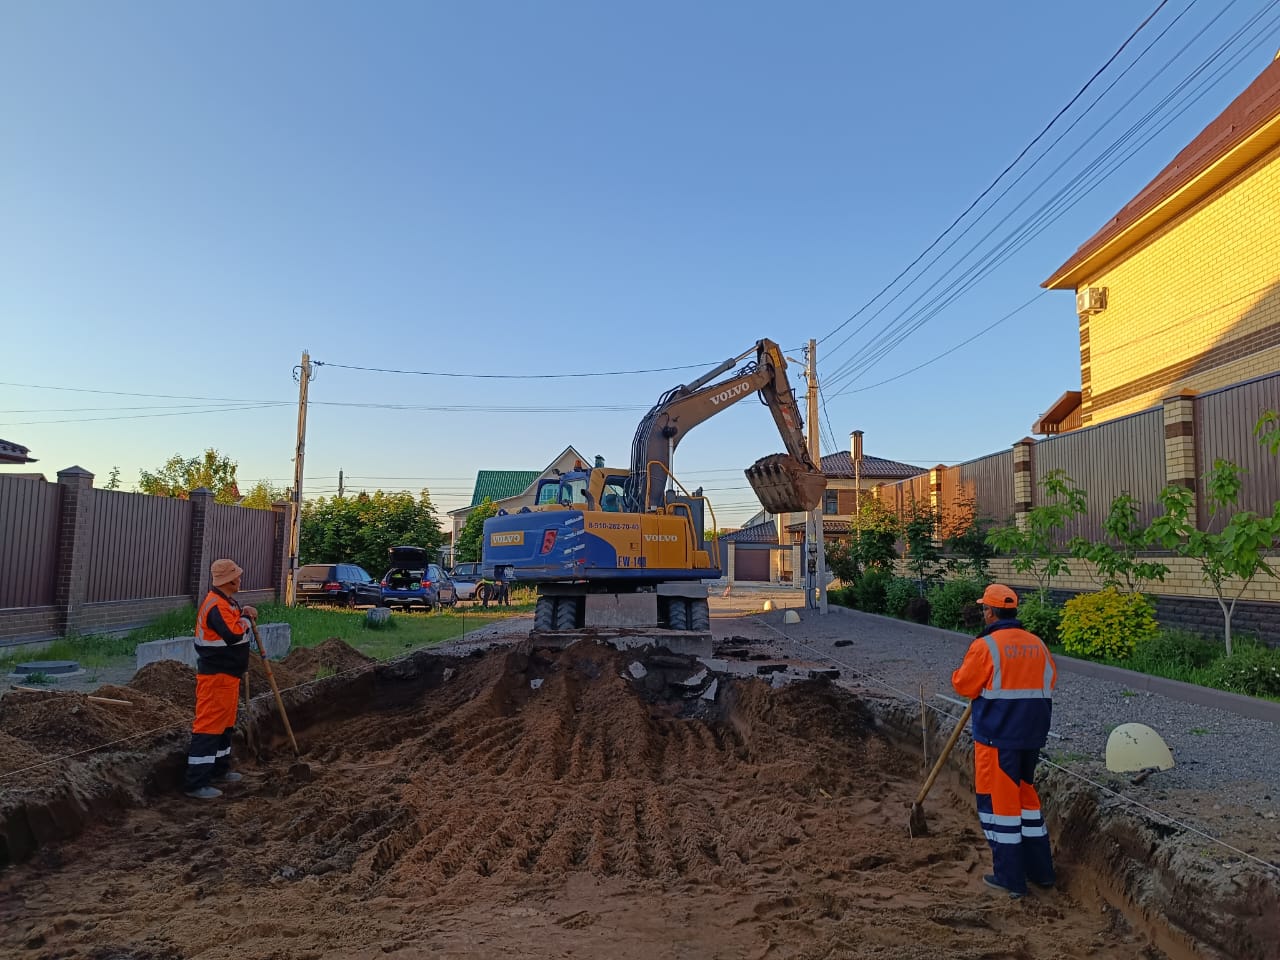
(751, 565)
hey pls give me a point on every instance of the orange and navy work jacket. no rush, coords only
(1010, 676)
(222, 639)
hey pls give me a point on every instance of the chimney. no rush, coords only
(855, 445)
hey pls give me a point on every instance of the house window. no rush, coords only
(830, 503)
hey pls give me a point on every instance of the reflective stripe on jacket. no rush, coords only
(222, 642)
(1010, 675)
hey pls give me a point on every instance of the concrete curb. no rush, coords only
(1243, 706)
(276, 639)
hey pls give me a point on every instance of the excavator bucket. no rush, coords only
(785, 485)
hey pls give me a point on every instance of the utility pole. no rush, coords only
(857, 480)
(339, 484)
(303, 374)
(816, 578)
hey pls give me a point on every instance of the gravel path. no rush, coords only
(1227, 775)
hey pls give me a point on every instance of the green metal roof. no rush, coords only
(500, 484)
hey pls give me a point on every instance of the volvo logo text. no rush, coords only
(725, 396)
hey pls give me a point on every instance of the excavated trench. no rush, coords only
(528, 804)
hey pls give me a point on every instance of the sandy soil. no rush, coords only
(544, 805)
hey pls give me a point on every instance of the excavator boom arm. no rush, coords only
(784, 482)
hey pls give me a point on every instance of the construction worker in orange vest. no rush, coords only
(1010, 676)
(222, 659)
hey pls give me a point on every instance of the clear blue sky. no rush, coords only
(192, 194)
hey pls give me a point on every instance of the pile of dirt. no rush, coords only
(539, 799)
(167, 680)
(331, 657)
(60, 723)
(16, 754)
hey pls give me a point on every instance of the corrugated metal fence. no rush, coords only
(1225, 421)
(988, 482)
(248, 537)
(139, 547)
(1119, 456)
(28, 541)
(1126, 455)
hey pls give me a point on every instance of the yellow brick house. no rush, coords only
(1180, 290)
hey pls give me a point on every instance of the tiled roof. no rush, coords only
(873, 468)
(1249, 112)
(14, 453)
(760, 533)
(500, 484)
(829, 525)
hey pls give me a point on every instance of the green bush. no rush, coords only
(841, 596)
(1041, 616)
(1107, 625)
(1251, 670)
(898, 594)
(1174, 653)
(949, 602)
(869, 591)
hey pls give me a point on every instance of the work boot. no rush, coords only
(229, 777)
(991, 881)
(204, 793)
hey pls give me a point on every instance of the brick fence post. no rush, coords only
(284, 527)
(201, 544)
(1180, 444)
(71, 583)
(1024, 487)
(935, 497)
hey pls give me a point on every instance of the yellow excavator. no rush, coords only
(610, 548)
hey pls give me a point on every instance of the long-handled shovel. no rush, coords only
(917, 826)
(271, 679)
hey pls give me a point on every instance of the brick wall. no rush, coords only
(1201, 616)
(1198, 306)
(26, 623)
(73, 610)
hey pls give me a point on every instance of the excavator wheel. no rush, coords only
(677, 613)
(566, 613)
(699, 616)
(544, 614)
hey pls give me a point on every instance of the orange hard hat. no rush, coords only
(999, 597)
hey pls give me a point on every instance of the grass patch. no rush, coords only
(309, 626)
(97, 650)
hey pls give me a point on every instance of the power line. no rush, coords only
(1001, 176)
(143, 416)
(945, 353)
(1050, 211)
(517, 376)
(842, 371)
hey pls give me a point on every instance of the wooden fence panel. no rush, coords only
(1120, 456)
(247, 536)
(1225, 420)
(28, 541)
(139, 547)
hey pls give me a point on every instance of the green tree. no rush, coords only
(262, 495)
(1231, 559)
(180, 475)
(1115, 560)
(113, 481)
(363, 528)
(467, 546)
(1034, 548)
(918, 531)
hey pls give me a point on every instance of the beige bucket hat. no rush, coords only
(223, 571)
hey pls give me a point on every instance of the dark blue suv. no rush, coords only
(413, 583)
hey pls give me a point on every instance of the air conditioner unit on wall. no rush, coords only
(1090, 300)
